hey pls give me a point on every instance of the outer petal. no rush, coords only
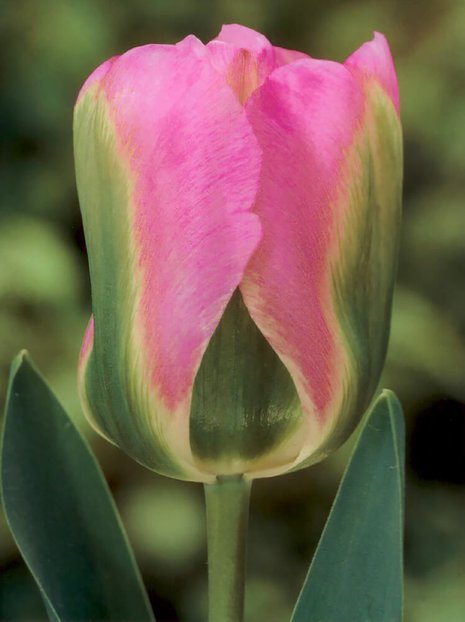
(166, 207)
(245, 410)
(320, 284)
(373, 61)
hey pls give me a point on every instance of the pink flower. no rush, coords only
(241, 205)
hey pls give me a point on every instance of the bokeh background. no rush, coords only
(48, 47)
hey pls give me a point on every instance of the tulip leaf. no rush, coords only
(60, 510)
(357, 572)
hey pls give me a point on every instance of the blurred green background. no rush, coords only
(48, 49)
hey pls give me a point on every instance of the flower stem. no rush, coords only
(227, 519)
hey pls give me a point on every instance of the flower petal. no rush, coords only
(243, 37)
(373, 60)
(246, 58)
(244, 407)
(284, 56)
(319, 285)
(168, 236)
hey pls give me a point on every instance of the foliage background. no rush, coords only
(48, 48)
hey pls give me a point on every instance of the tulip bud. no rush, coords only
(241, 208)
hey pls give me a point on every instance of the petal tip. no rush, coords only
(97, 75)
(374, 59)
(242, 36)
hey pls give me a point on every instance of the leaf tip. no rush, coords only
(18, 361)
(393, 405)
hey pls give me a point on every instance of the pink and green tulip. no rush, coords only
(241, 206)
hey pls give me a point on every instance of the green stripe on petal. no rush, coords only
(364, 270)
(112, 381)
(245, 412)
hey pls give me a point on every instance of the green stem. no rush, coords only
(227, 518)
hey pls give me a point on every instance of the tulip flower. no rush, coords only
(241, 207)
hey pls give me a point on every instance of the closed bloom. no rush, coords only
(241, 207)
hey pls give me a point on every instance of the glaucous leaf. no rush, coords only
(357, 572)
(60, 510)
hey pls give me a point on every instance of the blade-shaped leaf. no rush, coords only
(60, 510)
(357, 572)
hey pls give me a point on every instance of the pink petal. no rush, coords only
(96, 77)
(246, 58)
(87, 342)
(304, 117)
(285, 56)
(195, 164)
(84, 354)
(373, 60)
(243, 37)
